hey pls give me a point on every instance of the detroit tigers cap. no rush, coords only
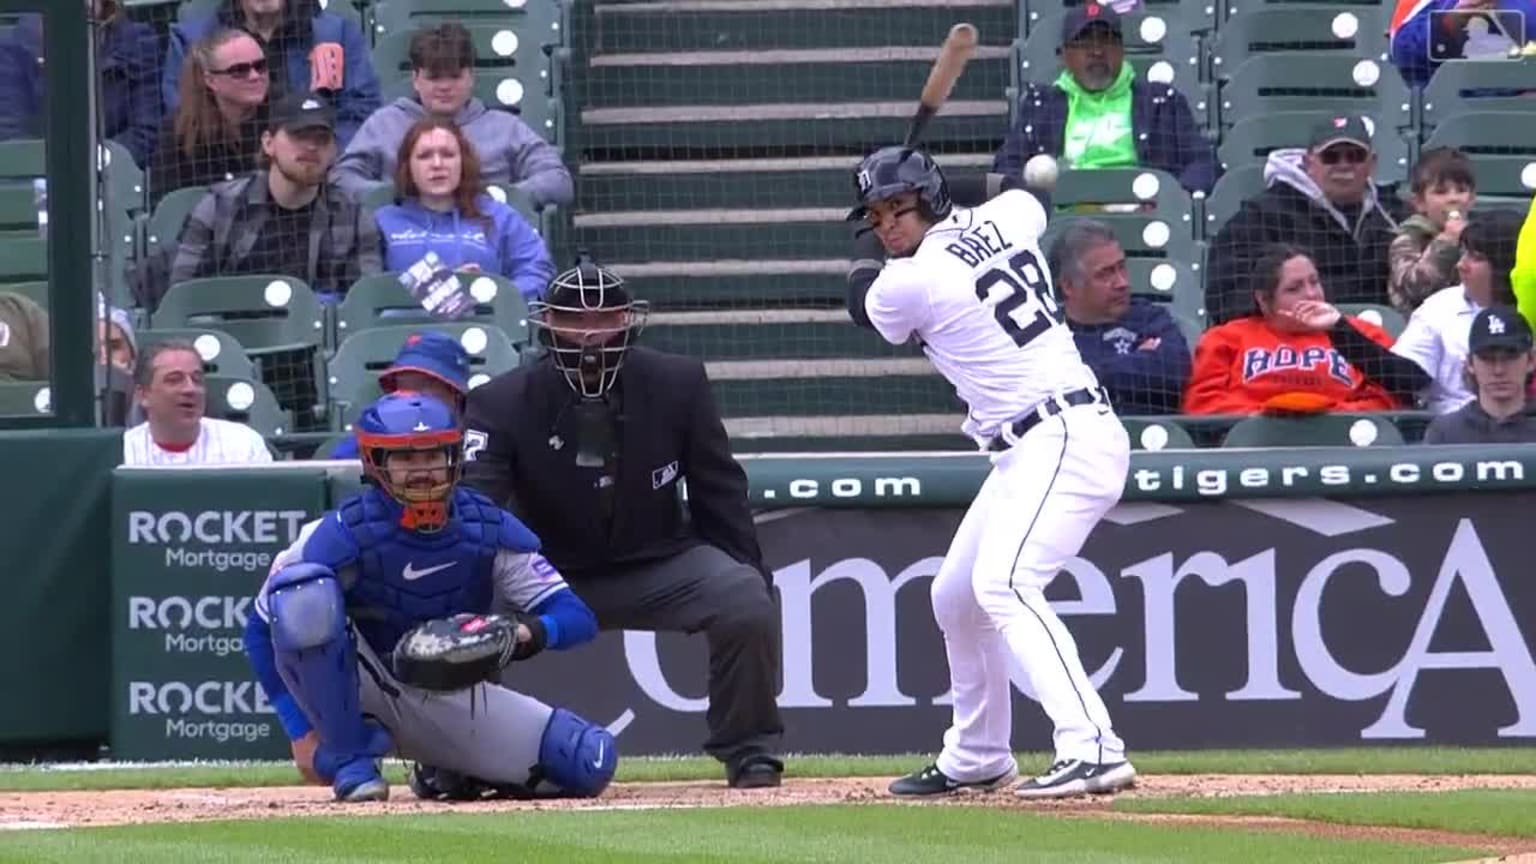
(1499, 328)
(432, 353)
(1080, 18)
(1340, 130)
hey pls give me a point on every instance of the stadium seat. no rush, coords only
(1233, 8)
(245, 400)
(1141, 235)
(381, 301)
(125, 186)
(222, 355)
(1457, 88)
(1148, 433)
(539, 22)
(353, 372)
(1320, 430)
(1117, 194)
(497, 46)
(521, 91)
(1385, 317)
(171, 214)
(25, 398)
(1237, 185)
(1316, 83)
(18, 209)
(1159, 47)
(1250, 141)
(1193, 16)
(265, 313)
(23, 259)
(1358, 32)
(1502, 147)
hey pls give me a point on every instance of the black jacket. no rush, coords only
(669, 430)
(1349, 249)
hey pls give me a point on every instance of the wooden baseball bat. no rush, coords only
(953, 55)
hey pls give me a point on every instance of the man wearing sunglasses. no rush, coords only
(1322, 199)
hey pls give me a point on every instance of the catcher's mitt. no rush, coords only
(455, 653)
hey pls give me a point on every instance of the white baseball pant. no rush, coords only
(1034, 512)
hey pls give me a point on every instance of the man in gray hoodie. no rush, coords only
(442, 74)
(1323, 200)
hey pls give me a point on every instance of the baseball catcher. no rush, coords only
(401, 580)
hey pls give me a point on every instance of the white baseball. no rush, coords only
(1040, 171)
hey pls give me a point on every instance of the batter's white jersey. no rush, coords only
(219, 442)
(523, 580)
(978, 297)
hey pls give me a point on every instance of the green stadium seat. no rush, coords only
(222, 355)
(170, 215)
(37, 292)
(1159, 47)
(1491, 133)
(126, 186)
(521, 92)
(25, 398)
(1149, 433)
(1355, 31)
(1316, 83)
(1142, 235)
(1252, 139)
(23, 259)
(498, 45)
(248, 401)
(265, 312)
(537, 22)
(1117, 194)
(353, 373)
(1385, 317)
(381, 301)
(1193, 16)
(18, 209)
(1457, 88)
(1237, 185)
(1320, 430)
(1230, 9)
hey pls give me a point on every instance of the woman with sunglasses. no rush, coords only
(215, 132)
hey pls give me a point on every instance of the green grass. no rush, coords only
(1508, 812)
(1385, 760)
(932, 835)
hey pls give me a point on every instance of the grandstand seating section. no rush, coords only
(711, 147)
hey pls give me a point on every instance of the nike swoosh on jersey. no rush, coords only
(411, 574)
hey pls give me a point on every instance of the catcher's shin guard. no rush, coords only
(577, 756)
(318, 661)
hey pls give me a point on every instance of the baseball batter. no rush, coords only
(970, 285)
(414, 548)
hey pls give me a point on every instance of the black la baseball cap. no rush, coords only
(1080, 18)
(299, 111)
(1499, 328)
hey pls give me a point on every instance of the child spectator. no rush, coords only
(1426, 247)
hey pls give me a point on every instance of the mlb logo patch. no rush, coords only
(664, 475)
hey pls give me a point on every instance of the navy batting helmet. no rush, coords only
(891, 171)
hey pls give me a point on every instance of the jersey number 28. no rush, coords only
(1026, 308)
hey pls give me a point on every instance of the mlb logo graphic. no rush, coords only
(663, 475)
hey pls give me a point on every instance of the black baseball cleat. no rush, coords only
(757, 771)
(1068, 778)
(440, 784)
(932, 781)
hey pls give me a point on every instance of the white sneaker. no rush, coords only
(1068, 778)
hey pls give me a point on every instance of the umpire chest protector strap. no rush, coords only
(404, 578)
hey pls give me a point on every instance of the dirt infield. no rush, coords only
(22, 810)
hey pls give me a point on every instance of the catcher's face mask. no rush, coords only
(420, 473)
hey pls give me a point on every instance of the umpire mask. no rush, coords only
(587, 321)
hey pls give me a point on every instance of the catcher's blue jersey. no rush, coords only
(394, 579)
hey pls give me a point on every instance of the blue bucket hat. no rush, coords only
(431, 353)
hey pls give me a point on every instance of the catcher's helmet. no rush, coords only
(407, 421)
(891, 171)
(587, 321)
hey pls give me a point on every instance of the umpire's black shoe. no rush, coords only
(932, 781)
(440, 784)
(757, 771)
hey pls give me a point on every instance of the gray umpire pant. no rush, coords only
(705, 590)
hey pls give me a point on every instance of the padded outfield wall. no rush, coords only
(1234, 599)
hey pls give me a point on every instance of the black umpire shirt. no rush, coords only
(520, 447)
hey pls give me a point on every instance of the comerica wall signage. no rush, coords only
(1235, 623)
